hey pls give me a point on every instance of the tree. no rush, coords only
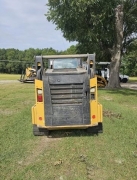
(102, 26)
(15, 61)
(49, 51)
(70, 50)
(129, 59)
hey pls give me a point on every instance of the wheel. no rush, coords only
(100, 128)
(40, 131)
(124, 80)
(95, 129)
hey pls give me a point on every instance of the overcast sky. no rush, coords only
(23, 25)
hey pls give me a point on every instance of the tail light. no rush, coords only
(39, 95)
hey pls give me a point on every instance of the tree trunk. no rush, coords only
(116, 51)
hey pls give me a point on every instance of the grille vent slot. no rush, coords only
(66, 93)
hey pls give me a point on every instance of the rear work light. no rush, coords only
(39, 95)
(93, 116)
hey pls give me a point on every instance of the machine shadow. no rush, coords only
(70, 133)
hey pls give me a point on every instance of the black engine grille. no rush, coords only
(65, 100)
(66, 93)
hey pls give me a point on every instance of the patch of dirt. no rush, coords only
(7, 112)
(133, 107)
(107, 98)
(93, 172)
(44, 142)
(119, 161)
(8, 81)
(97, 173)
(26, 102)
(107, 113)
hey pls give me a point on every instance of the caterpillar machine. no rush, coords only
(66, 95)
(28, 75)
(101, 80)
(103, 71)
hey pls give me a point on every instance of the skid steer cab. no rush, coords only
(66, 94)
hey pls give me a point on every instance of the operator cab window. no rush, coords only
(65, 63)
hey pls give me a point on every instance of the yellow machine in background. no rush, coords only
(103, 70)
(29, 75)
(101, 81)
(66, 95)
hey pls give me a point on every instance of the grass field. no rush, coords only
(73, 155)
(132, 79)
(9, 76)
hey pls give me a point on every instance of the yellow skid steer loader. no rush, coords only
(66, 95)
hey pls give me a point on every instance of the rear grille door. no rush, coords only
(65, 100)
(66, 93)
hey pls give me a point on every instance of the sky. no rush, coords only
(23, 25)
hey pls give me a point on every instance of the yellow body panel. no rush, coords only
(100, 118)
(38, 109)
(33, 111)
(93, 84)
(95, 107)
(38, 85)
(93, 112)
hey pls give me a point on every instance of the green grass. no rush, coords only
(9, 76)
(73, 155)
(132, 79)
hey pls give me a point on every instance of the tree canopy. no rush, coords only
(101, 26)
(14, 60)
(26, 58)
(92, 22)
(129, 59)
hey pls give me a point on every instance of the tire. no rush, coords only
(95, 129)
(120, 80)
(40, 131)
(100, 128)
(124, 80)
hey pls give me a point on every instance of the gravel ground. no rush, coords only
(8, 81)
(130, 85)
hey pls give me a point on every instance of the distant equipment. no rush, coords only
(101, 81)
(102, 69)
(29, 75)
